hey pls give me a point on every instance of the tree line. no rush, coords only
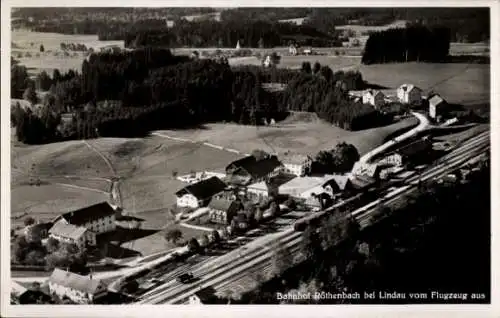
(320, 90)
(130, 93)
(413, 43)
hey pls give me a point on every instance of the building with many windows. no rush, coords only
(98, 218)
(80, 289)
(297, 164)
(72, 234)
(222, 211)
(199, 194)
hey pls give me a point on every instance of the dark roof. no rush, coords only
(88, 214)
(206, 293)
(203, 189)
(260, 168)
(241, 162)
(415, 147)
(220, 204)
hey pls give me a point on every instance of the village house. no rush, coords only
(297, 164)
(250, 169)
(222, 211)
(258, 189)
(98, 218)
(409, 94)
(374, 97)
(72, 234)
(80, 289)
(199, 194)
(437, 106)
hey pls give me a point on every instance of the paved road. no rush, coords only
(228, 270)
(424, 124)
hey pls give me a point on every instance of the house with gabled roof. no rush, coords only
(72, 234)
(251, 169)
(222, 211)
(409, 94)
(297, 164)
(437, 106)
(374, 97)
(78, 288)
(199, 194)
(98, 218)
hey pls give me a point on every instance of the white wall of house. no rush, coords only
(298, 169)
(258, 192)
(376, 100)
(73, 294)
(413, 96)
(187, 200)
(102, 225)
(394, 159)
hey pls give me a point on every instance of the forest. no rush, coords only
(468, 25)
(413, 43)
(131, 93)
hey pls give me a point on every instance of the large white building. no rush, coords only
(409, 94)
(80, 289)
(297, 164)
(98, 218)
(199, 194)
(374, 97)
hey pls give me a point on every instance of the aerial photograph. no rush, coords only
(250, 155)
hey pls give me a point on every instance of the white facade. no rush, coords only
(102, 225)
(298, 168)
(258, 189)
(409, 94)
(88, 238)
(376, 99)
(393, 159)
(187, 200)
(75, 295)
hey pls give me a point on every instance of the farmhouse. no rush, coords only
(78, 288)
(296, 164)
(222, 211)
(98, 218)
(409, 94)
(72, 234)
(261, 189)
(374, 97)
(199, 194)
(250, 169)
(437, 106)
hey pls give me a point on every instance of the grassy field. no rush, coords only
(303, 137)
(458, 83)
(295, 62)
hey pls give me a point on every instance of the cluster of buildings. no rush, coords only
(80, 227)
(258, 179)
(407, 94)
